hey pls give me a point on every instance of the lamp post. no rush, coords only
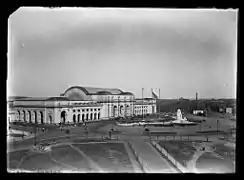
(35, 135)
(217, 125)
(200, 127)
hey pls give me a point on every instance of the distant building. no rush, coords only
(198, 112)
(79, 104)
(229, 110)
(221, 110)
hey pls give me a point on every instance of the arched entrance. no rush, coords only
(78, 118)
(50, 119)
(95, 116)
(121, 110)
(29, 113)
(127, 110)
(18, 115)
(74, 118)
(35, 114)
(87, 117)
(98, 116)
(42, 121)
(83, 117)
(115, 111)
(63, 117)
(24, 116)
(91, 116)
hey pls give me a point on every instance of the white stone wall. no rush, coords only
(53, 109)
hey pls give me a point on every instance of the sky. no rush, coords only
(179, 51)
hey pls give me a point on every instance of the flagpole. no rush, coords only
(159, 103)
(142, 103)
(108, 106)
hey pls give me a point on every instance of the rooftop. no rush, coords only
(43, 99)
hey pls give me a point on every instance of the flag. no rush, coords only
(154, 95)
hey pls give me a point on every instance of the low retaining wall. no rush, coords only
(143, 166)
(172, 160)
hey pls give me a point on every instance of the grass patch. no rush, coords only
(86, 140)
(111, 157)
(17, 155)
(70, 156)
(16, 135)
(225, 151)
(210, 164)
(39, 162)
(179, 150)
(13, 164)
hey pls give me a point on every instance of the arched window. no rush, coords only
(91, 116)
(24, 116)
(78, 118)
(74, 118)
(114, 110)
(63, 116)
(50, 119)
(121, 109)
(29, 113)
(35, 113)
(98, 116)
(41, 113)
(18, 114)
(83, 117)
(95, 116)
(87, 116)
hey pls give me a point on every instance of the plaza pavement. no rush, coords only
(152, 159)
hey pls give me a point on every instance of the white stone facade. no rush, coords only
(78, 105)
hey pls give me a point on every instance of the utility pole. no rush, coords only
(142, 103)
(159, 103)
(217, 125)
(35, 135)
(108, 106)
(118, 107)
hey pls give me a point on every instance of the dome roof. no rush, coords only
(127, 93)
(104, 93)
(96, 91)
(83, 93)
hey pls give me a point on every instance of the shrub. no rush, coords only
(147, 130)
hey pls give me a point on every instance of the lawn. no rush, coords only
(182, 151)
(22, 128)
(67, 155)
(208, 163)
(30, 161)
(225, 151)
(111, 157)
(16, 135)
(40, 162)
(17, 155)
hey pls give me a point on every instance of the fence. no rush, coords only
(178, 137)
(170, 158)
(142, 165)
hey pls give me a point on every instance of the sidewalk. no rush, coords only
(154, 162)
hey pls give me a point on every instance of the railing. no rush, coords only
(170, 158)
(142, 165)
